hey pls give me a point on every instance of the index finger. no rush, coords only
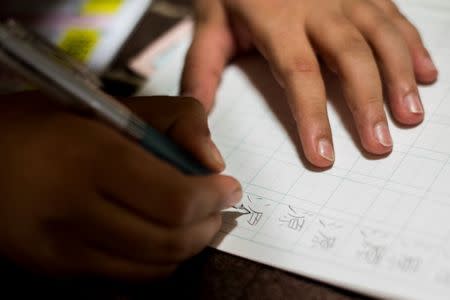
(211, 48)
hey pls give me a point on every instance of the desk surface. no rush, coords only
(210, 275)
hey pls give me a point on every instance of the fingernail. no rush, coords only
(383, 135)
(215, 154)
(412, 101)
(326, 149)
(235, 197)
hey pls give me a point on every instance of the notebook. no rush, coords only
(379, 227)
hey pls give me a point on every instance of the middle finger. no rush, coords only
(345, 51)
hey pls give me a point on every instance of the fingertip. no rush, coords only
(190, 130)
(408, 109)
(375, 148)
(377, 140)
(316, 138)
(232, 183)
(214, 157)
(320, 153)
(409, 119)
(234, 191)
(325, 150)
(427, 77)
(206, 153)
(320, 162)
(234, 198)
(426, 71)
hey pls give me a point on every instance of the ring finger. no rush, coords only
(395, 61)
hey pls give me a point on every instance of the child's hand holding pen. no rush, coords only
(80, 198)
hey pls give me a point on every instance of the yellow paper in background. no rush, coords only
(80, 43)
(99, 7)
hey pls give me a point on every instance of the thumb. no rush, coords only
(211, 49)
(191, 131)
(183, 120)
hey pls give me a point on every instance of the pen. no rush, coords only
(70, 85)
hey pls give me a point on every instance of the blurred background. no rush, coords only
(103, 34)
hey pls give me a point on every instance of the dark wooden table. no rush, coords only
(210, 275)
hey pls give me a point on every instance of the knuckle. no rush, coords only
(164, 273)
(409, 30)
(315, 115)
(277, 39)
(390, 7)
(373, 102)
(396, 15)
(87, 135)
(112, 151)
(366, 10)
(295, 66)
(201, 17)
(182, 205)
(349, 43)
(378, 24)
(315, 107)
(318, 113)
(99, 143)
(53, 258)
(336, 22)
(235, 3)
(192, 110)
(190, 105)
(405, 85)
(61, 210)
(361, 13)
(177, 245)
(354, 51)
(381, 27)
(353, 44)
(204, 14)
(370, 104)
(360, 8)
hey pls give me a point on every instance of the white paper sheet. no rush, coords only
(377, 226)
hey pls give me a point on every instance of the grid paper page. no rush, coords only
(377, 226)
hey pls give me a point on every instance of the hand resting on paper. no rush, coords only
(77, 198)
(369, 44)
